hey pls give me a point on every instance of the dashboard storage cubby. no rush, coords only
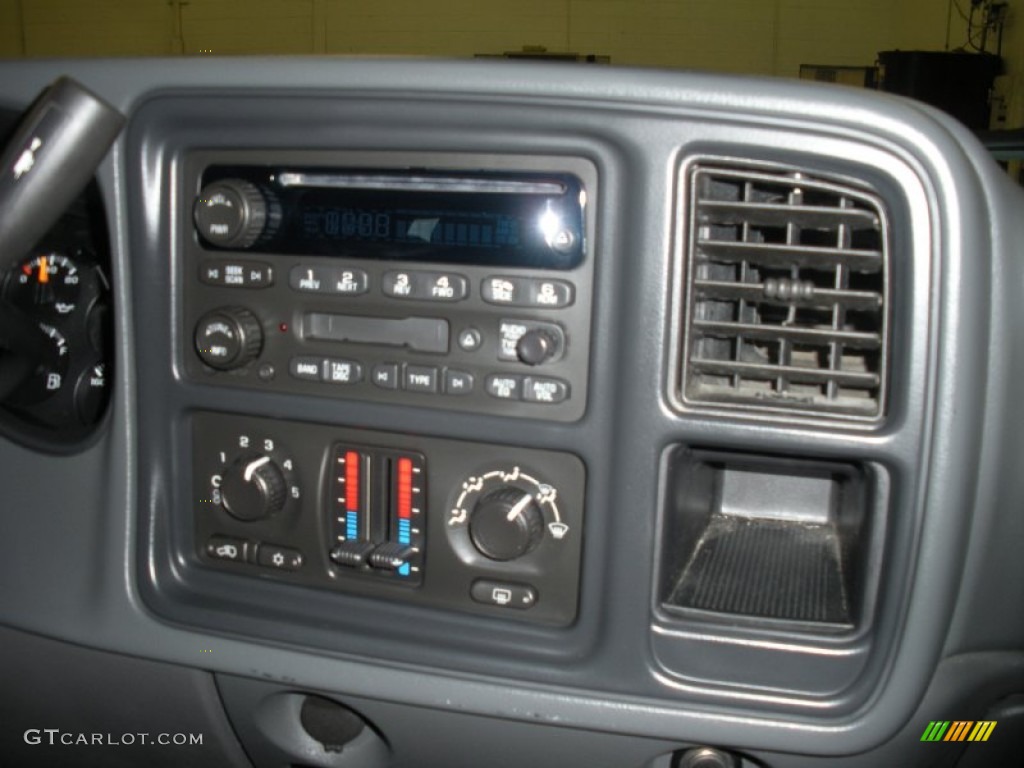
(769, 539)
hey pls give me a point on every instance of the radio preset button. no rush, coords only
(385, 375)
(421, 378)
(425, 286)
(544, 390)
(502, 290)
(339, 281)
(550, 294)
(505, 387)
(528, 292)
(457, 382)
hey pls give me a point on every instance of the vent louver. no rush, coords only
(786, 293)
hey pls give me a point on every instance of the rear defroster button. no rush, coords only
(503, 594)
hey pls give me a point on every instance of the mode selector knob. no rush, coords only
(506, 524)
(536, 346)
(231, 213)
(228, 338)
(253, 488)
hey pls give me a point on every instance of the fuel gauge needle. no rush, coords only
(519, 507)
(44, 272)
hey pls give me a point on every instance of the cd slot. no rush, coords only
(411, 183)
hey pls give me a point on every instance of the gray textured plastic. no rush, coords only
(92, 563)
(67, 705)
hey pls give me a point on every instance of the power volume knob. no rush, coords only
(506, 524)
(231, 213)
(253, 488)
(228, 338)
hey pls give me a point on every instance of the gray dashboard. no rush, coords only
(862, 460)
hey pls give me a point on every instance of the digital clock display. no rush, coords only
(476, 229)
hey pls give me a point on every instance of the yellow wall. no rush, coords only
(772, 37)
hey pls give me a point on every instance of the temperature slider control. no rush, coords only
(377, 516)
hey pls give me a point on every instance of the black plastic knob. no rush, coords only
(506, 524)
(253, 488)
(231, 213)
(228, 338)
(536, 346)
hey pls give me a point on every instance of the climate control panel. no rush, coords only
(459, 525)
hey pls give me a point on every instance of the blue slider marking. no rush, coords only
(404, 537)
(351, 525)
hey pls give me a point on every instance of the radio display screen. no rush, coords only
(482, 218)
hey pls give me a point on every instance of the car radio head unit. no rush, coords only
(461, 282)
(483, 217)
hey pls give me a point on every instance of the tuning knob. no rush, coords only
(231, 213)
(228, 338)
(253, 488)
(536, 346)
(506, 524)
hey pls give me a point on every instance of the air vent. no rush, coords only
(786, 293)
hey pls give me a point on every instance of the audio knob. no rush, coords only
(253, 488)
(231, 213)
(536, 346)
(506, 524)
(228, 338)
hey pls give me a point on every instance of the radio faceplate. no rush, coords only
(458, 323)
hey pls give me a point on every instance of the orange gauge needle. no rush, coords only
(44, 275)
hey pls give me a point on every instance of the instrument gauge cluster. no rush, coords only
(55, 351)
